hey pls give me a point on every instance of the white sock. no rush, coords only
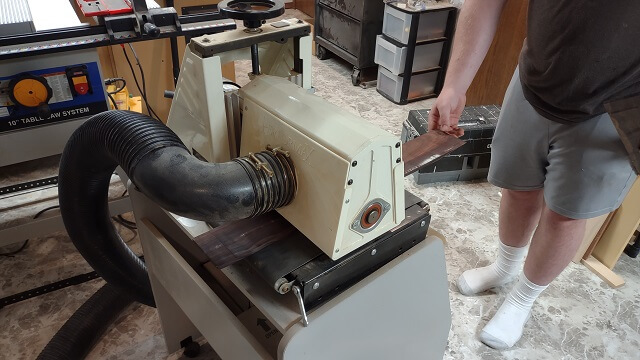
(507, 325)
(506, 267)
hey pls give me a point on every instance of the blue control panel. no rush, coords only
(61, 94)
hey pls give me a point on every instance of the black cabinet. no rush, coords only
(348, 29)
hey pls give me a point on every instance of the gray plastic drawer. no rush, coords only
(420, 85)
(397, 24)
(390, 56)
(394, 58)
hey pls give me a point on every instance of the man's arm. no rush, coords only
(475, 30)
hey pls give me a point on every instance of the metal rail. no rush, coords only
(77, 38)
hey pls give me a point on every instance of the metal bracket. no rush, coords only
(303, 312)
(278, 150)
(143, 22)
(283, 286)
(259, 165)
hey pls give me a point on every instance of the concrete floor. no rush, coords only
(578, 317)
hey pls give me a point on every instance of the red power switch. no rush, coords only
(78, 77)
(80, 84)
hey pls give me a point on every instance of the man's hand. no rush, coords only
(446, 111)
(477, 24)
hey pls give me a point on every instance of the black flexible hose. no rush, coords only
(160, 166)
(81, 332)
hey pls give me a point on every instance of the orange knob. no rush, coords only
(30, 91)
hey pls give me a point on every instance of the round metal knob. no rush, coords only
(252, 12)
(373, 216)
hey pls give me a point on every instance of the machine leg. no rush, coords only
(255, 60)
(176, 326)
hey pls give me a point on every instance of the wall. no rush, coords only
(307, 7)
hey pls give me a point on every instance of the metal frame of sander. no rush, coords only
(296, 298)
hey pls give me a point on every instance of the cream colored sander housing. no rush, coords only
(350, 173)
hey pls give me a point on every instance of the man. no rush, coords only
(556, 152)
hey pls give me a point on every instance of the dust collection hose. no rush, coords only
(160, 166)
(83, 329)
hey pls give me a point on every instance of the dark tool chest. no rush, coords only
(348, 29)
(470, 161)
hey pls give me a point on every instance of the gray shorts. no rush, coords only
(584, 168)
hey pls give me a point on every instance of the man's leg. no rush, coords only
(554, 244)
(519, 152)
(519, 216)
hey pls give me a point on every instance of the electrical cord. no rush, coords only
(110, 94)
(11, 253)
(119, 219)
(24, 244)
(231, 83)
(124, 222)
(113, 101)
(110, 81)
(143, 90)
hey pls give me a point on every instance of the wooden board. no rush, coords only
(622, 227)
(495, 73)
(598, 236)
(593, 227)
(614, 280)
(427, 148)
(233, 241)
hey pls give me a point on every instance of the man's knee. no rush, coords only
(562, 219)
(526, 196)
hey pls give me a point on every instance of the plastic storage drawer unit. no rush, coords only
(397, 24)
(413, 51)
(401, 89)
(393, 58)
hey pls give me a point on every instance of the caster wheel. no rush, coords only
(322, 53)
(192, 349)
(356, 77)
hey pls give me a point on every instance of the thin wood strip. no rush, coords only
(614, 280)
(232, 242)
(427, 149)
(598, 236)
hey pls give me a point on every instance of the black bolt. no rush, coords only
(350, 182)
(354, 163)
(397, 145)
(398, 160)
